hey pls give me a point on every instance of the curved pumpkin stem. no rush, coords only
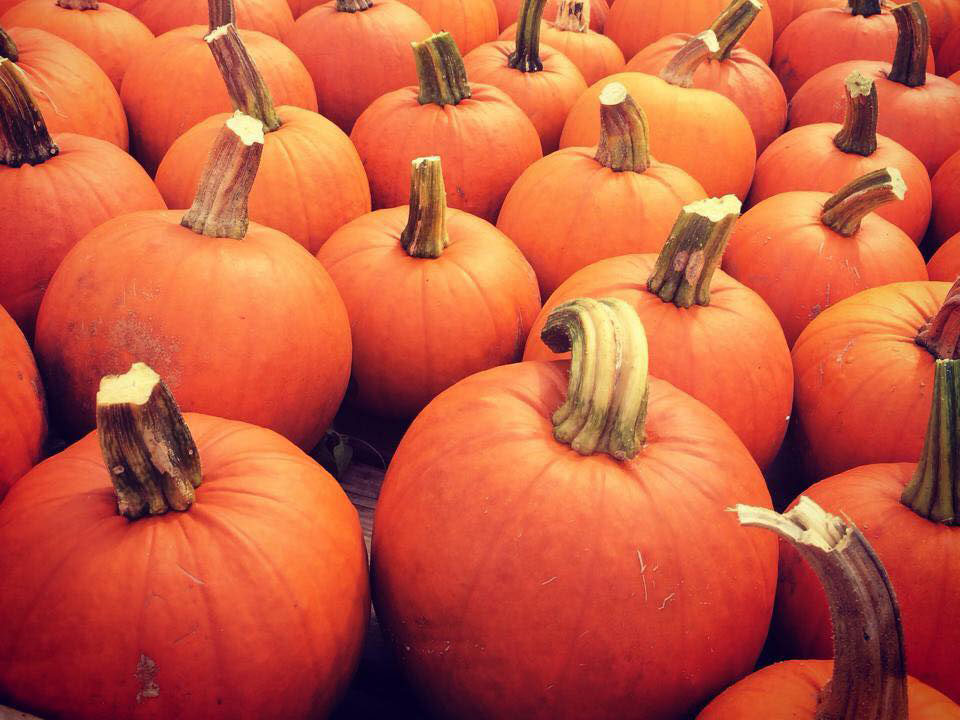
(352, 6)
(222, 13)
(869, 668)
(846, 208)
(606, 405)
(526, 55)
(153, 461)
(909, 65)
(220, 206)
(624, 144)
(679, 71)
(693, 252)
(8, 48)
(23, 133)
(859, 132)
(941, 335)
(78, 4)
(573, 16)
(245, 84)
(425, 235)
(443, 78)
(731, 24)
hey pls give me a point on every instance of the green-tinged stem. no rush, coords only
(425, 235)
(352, 6)
(443, 78)
(222, 13)
(624, 144)
(732, 23)
(8, 48)
(913, 43)
(679, 71)
(573, 16)
(869, 667)
(941, 335)
(859, 132)
(526, 55)
(846, 208)
(23, 133)
(245, 84)
(693, 251)
(606, 405)
(220, 206)
(147, 447)
(864, 8)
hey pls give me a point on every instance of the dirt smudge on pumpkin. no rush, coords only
(146, 675)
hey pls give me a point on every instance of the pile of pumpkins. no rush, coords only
(613, 261)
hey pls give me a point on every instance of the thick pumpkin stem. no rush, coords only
(23, 133)
(8, 48)
(679, 71)
(146, 445)
(913, 42)
(859, 132)
(846, 208)
(693, 251)
(526, 55)
(245, 84)
(222, 13)
(425, 235)
(624, 144)
(352, 6)
(606, 405)
(864, 8)
(220, 205)
(443, 78)
(573, 16)
(941, 335)
(869, 667)
(731, 24)
(78, 4)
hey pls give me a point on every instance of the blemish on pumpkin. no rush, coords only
(667, 599)
(547, 582)
(146, 675)
(190, 575)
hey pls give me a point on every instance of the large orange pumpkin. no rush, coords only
(945, 188)
(271, 17)
(945, 263)
(509, 10)
(485, 139)
(211, 302)
(470, 22)
(250, 602)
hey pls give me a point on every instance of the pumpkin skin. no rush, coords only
(464, 563)
(945, 263)
(471, 22)
(306, 159)
(23, 417)
(948, 56)
(271, 17)
(74, 95)
(160, 111)
(943, 16)
(509, 10)
(109, 35)
(114, 301)
(595, 55)
(945, 188)
(781, 12)
(270, 530)
(743, 78)
(354, 58)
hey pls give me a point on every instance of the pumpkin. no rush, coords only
(826, 156)
(541, 81)
(355, 51)
(821, 38)
(109, 35)
(506, 504)
(732, 71)
(470, 22)
(617, 198)
(485, 139)
(868, 678)
(206, 298)
(271, 17)
(945, 188)
(781, 15)
(299, 7)
(305, 157)
(711, 337)
(944, 16)
(451, 296)
(948, 56)
(509, 10)
(222, 577)
(53, 191)
(72, 92)
(23, 420)
(918, 108)
(945, 263)
(697, 130)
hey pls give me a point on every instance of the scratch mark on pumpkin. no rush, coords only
(667, 599)
(187, 634)
(841, 356)
(190, 575)
(146, 675)
(547, 582)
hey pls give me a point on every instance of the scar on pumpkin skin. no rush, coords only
(146, 675)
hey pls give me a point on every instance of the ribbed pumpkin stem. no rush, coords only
(692, 253)
(8, 48)
(222, 13)
(624, 144)
(864, 8)
(352, 6)
(606, 405)
(679, 71)
(220, 205)
(425, 235)
(245, 84)
(23, 133)
(732, 23)
(147, 447)
(869, 667)
(847, 207)
(859, 132)
(443, 78)
(941, 335)
(913, 43)
(573, 16)
(526, 55)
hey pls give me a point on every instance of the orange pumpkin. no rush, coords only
(945, 188)
(948, 56)
(271, 17)
(250, 602)
(470, 22)
(509, 10)
(945, 263)
(486, 140)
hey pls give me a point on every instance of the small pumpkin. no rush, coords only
(270, 17)
(945, 189)
(470, 22)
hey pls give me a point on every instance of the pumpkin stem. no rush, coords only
(23, 133)
(352, 6)
(78, 4)
(606, 405)
(624, 139)
(8, 48)
(245, 84)
(869, 667)
(941, 335)
(425, 235)
(913, 42)
(679, 71)
(443, 78)
(864, 8)
(692, 253)
(220, 206)
(845, 209)
(573, 15)
(146, 445)
(731, 24)
(859, 132)
(526, 55)
(222, 13)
